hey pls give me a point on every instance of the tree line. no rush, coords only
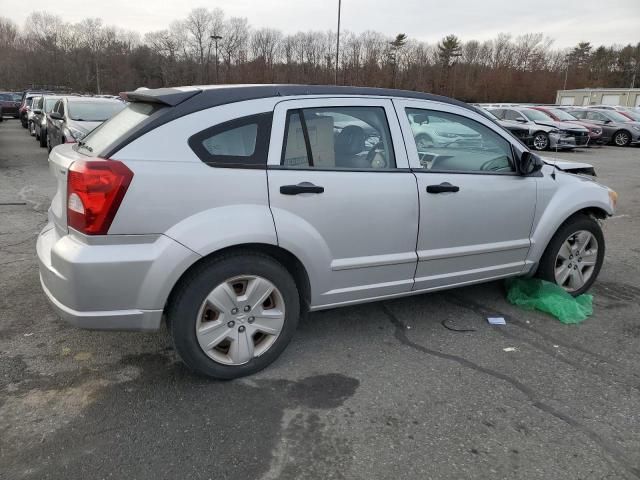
(208, 47)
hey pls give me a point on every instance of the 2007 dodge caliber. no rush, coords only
(233, 210)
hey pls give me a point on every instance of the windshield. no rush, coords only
(564, 116)
(536, 115)
(119, 125)
(616, 117)
(632, 114)
(49, 103)
(87, 111)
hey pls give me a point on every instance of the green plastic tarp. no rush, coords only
(536, 294)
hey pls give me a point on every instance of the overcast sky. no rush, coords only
(567, 21)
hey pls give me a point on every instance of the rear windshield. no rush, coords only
(94, 111)
(121, 123)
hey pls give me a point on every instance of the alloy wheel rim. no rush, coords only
(540, 142)
(576, 260)
(621, 139)
(240, 319)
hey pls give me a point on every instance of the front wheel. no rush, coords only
(234, 315)
(540, 141)
(621, 138)
(574, 255)
(32, 129)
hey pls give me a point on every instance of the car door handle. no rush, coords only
(303, 187)
(443, 187)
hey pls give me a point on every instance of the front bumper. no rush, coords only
(557, 141)
(122, 284)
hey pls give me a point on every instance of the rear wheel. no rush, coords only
(234, 315)
(622, 138)
(574, 255)
(541, 141)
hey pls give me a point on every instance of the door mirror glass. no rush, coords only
(529, 163)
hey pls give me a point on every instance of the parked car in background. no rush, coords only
(24, 110)
(44, 106)
(36, 105)
(9, 104)
(622, 130)
(546, 132)
(596, 135)
(232, 211)
(71, 118)
(434, 131)
(522, 133)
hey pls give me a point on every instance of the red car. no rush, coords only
(596, 134)
(9, 104)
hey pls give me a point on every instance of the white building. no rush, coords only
(627, 97)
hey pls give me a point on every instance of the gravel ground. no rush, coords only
(381, 390)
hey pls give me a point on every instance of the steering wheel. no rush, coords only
(494, 165)
(375, 160)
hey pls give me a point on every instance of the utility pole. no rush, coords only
(338, 41)
(215, 38)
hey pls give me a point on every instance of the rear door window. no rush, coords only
(334, 138)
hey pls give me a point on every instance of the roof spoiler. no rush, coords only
(164, 96)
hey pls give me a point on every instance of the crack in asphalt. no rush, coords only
(617, 454)
(484, 311)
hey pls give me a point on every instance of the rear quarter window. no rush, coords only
(239, 143)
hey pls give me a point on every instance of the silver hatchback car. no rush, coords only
(233, 210)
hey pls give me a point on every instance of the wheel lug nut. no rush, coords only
(570, 257)
(241, 328)
(569, 265)
(247, 308)
(251, 319)
(234, 311)
(575, 267)
(231, 324)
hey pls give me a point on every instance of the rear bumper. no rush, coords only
(120, 285)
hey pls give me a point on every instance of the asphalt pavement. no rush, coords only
(378, 391)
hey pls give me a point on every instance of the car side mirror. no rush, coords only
(421, 118)
(521, 120)
(37, 111)
(606, 122)
(56, 116)
(529, 163)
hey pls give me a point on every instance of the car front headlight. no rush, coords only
(613, 198)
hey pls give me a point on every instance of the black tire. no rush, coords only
(182, 310)
(621, 138)
(540, 141)
(43, 139)
(48, 144)
(32, 129)
(23, 121)
(546, 268)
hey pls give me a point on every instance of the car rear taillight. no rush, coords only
(95, 189)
